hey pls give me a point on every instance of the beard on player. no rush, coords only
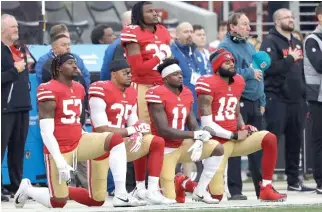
(229, 72)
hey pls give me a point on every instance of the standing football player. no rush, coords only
(147, 44)
(60, 106)
(170, 108)
(113, 106)
(218, 98)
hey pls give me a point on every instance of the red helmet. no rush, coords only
(218, 57)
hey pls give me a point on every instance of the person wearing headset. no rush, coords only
(252, 102)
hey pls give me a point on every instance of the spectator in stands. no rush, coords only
(199, 38)
(190, 59)
(313, 77)
(102, 34)
(56, 49)
(252, 102)
(115, 50)
(285, 92)
(15, 102)
(222, 31)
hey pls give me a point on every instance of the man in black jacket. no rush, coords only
(15, 102)
(313, 76)
(285, 92)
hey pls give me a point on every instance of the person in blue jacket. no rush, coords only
(55, 31)
(190, 60)
(111, 51)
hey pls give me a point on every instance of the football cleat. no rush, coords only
(140, 194)
(203, 197)
(126, 200)
(269, 194)
(21, 197)
(180, 191)
(155, 197)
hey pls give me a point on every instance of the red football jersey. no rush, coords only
(150, 44)
(118, 104)
(177, 109)
(68, 129)
(225, 98)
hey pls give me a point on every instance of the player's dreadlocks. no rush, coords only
(58, 61)
(137, 13)
(55, 66)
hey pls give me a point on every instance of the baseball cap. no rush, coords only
(261, 61)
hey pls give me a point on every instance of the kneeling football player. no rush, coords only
(218, 98)
(113, 106)
(170, 108)
(60, 106)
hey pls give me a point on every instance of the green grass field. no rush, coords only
(310, 208)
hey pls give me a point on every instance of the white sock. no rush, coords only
(118, 162)
(266, 182)
(153, 183)
(40, 195)
(211, 165)
(140, 185)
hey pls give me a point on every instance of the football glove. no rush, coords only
(196, 150)
(201, 135)
(136, 140)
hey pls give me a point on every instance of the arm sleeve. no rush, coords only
(98, 112)
(47, 128)
(314, 54)
(278, 66)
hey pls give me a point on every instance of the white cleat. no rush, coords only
(126, 200)
(21, 197)
(203, 197)
(155, 197)
(140, 194)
